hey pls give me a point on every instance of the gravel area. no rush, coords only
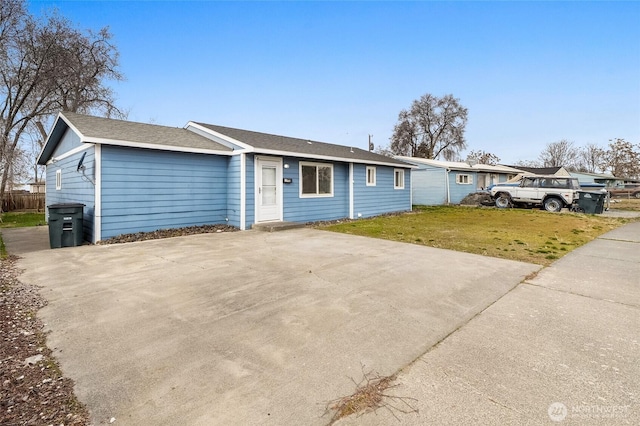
(33, 390)
(168, 233)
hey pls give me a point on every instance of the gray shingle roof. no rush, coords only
(538, 170)
(262, 142)
(119, 130)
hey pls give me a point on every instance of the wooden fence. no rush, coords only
(23, 202)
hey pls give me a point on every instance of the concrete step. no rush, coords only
(276, 226)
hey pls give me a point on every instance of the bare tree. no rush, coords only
(433, 127)
(559, 154)
(46, 66)
(590, 158)
(483, 157)
(622, 159)
(527, 163)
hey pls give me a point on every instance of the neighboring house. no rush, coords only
(37, 187)
(135, 177)
(604, 179)
(437, 182)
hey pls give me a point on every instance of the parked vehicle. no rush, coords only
(551, 192)
(628, 190)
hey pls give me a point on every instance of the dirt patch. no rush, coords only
(477, 199)
(33, 390)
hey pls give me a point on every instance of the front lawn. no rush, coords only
(19, 220)
(533, 236)
(627, 203)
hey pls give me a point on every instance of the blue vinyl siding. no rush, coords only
(458, 191)
(75, 188)
(69, 141)
(298, 209)
(383, 197)
(233, 191)
(429, 186)
(146, 190)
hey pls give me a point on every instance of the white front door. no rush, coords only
(268, 189)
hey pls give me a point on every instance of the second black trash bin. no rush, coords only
(591, 202)
(65, 225)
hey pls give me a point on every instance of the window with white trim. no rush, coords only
(371, 176)
(58, 179)
(464, 179)
(316, 180)
(398, 178)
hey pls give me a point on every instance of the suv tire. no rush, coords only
(553, 204)
(503, 201)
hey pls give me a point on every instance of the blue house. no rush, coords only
(437, 182)
(135, 177)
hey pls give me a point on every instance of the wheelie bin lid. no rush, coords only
(65, 205)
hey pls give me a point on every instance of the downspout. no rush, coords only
(350, 190)
(410, 191)
(243, 191)
(97, 192)
(446, 177)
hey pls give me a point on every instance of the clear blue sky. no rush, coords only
(530, 73)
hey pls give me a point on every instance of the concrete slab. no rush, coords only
(250, 327)
(533, 348)
(607, 268)
(26, 240)
(561, 348)
(277, 226)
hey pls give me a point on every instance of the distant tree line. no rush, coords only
(621, 158)
(434, 127)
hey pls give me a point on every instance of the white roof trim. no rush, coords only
(330, 158)
(159, 147)
(69, 153)
(225, 138)
(458, 165)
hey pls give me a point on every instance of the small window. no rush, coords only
(58, 179)
(464, 179)
(398, 178)
(371, 176)
(316, 179)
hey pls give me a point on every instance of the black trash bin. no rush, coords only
(591, 202)
(65, 225)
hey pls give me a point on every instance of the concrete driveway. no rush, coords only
(247, 327)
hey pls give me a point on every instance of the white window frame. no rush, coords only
(316, 165)
(461, 177)
(398, 175)
(58, 179)
(372, 181)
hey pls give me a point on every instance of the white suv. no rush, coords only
(552, 192)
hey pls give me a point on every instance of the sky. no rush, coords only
(529, 73)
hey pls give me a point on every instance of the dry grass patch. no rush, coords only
(369, 396)
(532, 236)
(632, 204)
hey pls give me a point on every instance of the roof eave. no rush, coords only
(330, 158)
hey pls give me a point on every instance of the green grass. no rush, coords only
(20, 220)
(533, 236)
